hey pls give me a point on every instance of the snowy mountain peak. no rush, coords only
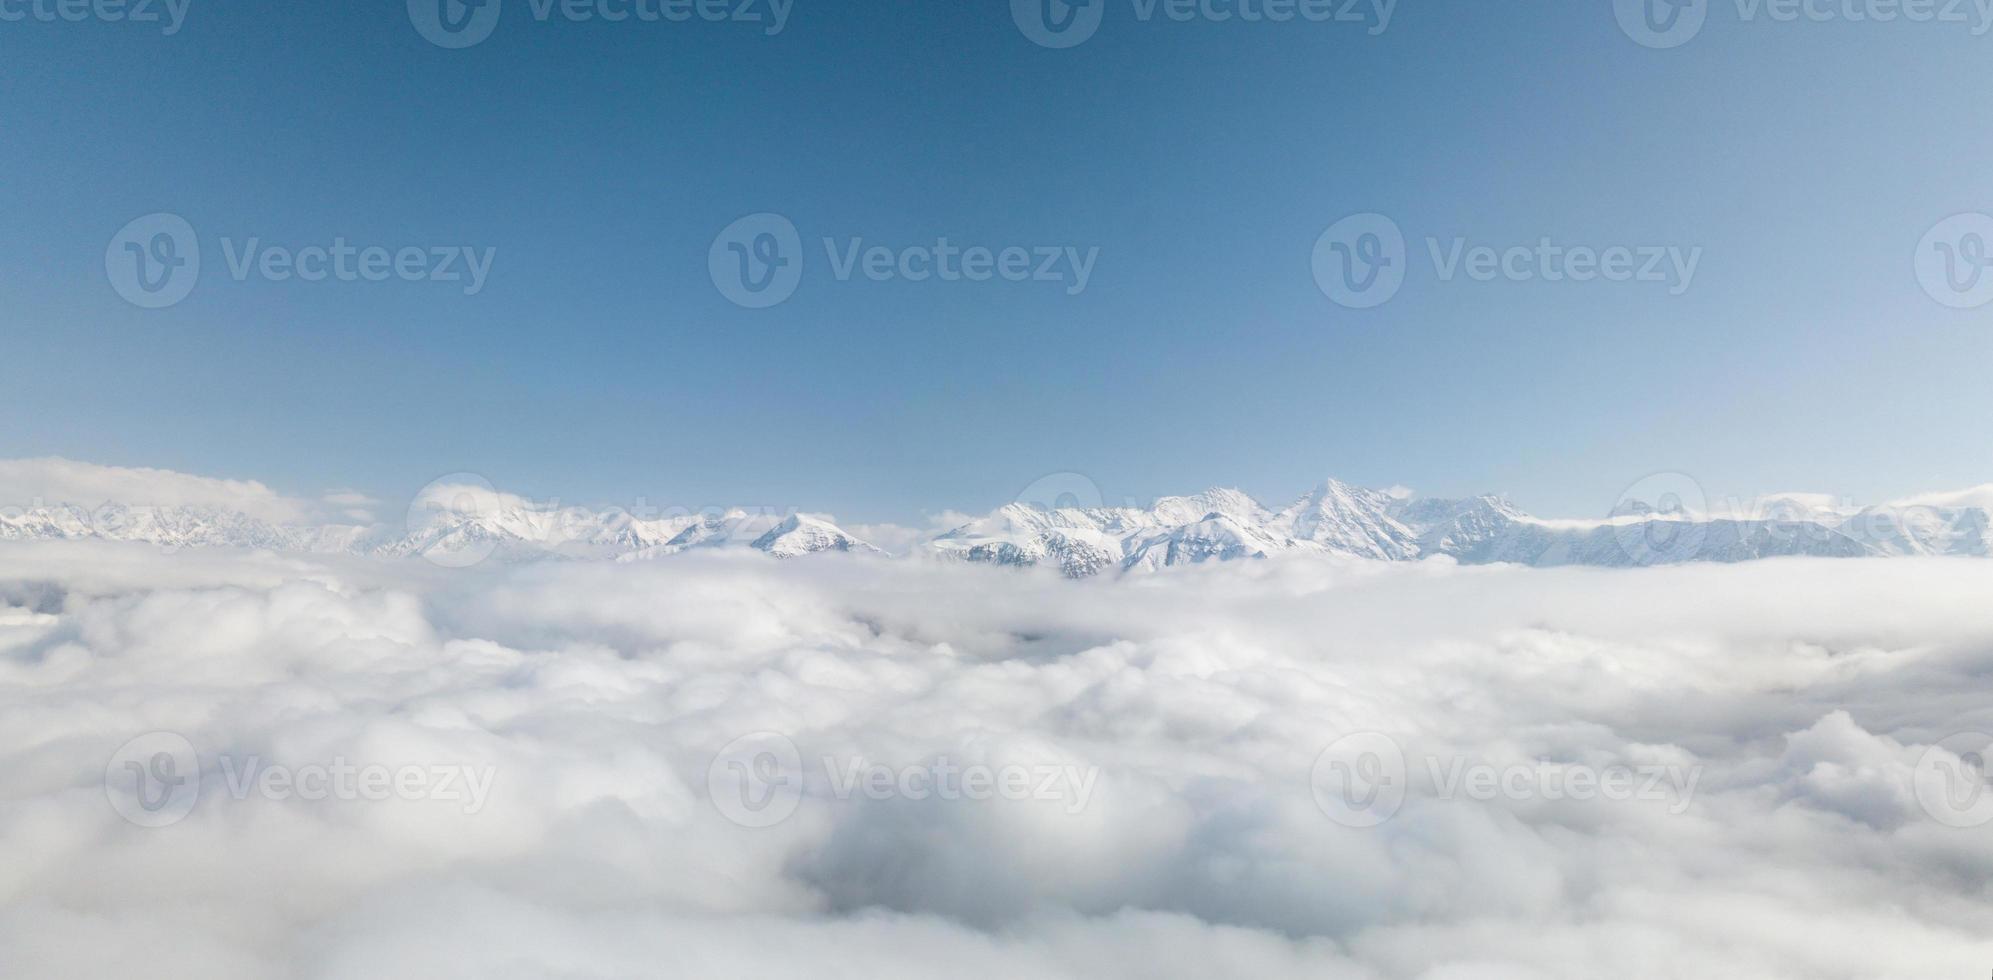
(802, 534)
(464, 525)
(1348, 520)
(1218, 500)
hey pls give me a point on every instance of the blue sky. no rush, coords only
(599, 161)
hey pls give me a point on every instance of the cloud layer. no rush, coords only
(30, 483)
(1804, 695)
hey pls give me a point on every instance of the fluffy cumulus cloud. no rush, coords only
(723, 765)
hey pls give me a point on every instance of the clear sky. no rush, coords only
(1202, 159)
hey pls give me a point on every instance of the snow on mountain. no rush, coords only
(1177, 511)
(1921, 529)
(1457, 527)
(451, 530)
(1338, 519)
(711, 530)
(802, 534)
(171, 527)
(1218, 537)
(779, 535)
(1347, 520)
(460, 525)
(1216, 525)
(1076, 541)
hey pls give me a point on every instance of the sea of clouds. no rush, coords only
(724, 765)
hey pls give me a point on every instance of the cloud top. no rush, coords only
(1173, 728)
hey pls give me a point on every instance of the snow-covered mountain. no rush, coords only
(463, 525)
(174, 527)
(1337, 519)
(460, 531)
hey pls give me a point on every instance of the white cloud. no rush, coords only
(1980, 496)
(49, 481)
(1803, 693)
(898, 539)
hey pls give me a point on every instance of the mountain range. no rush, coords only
(467, 525)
